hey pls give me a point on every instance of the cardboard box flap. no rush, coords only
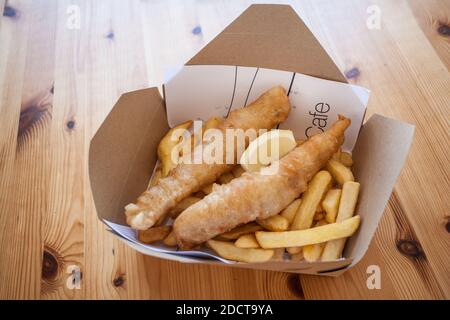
(270, 36)
(379, 155)
(122, 152)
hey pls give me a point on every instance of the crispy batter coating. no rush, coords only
(266, 112)
(258, 194)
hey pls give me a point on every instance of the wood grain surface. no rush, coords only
(60, 76)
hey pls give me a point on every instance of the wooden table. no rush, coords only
(59, 77)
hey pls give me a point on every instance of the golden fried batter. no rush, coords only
(258, 194)
(266, 112)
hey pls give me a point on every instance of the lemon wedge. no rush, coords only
(267, 148)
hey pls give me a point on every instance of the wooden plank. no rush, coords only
(429, 153)
(191, 281)
(433, 18)
(63, 222)
(26, 104)
(385, 61)
(113, 65)
(61, 83)
(169, 38)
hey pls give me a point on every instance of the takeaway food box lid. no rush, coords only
(267, 45)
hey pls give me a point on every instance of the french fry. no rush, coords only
(225, 178)
(349, 198)
(183, 205)
(211, 123)
(350, 190)
(300, 238)
(166, 145)
(294, 250)
(274, 223)
(310, 200)
(247, 241)
(319, 216)
(229, 251)
(313, 252)
(339, 172)
(331, 204)
(153, 234)
(337, 155)
(290, 211)
(319, 206)
(346, 159)
(238, 171)
(241, 230)
(170, 240)
(197, 137)
(297, 256)
(278, 254)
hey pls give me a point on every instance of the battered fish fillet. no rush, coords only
(258, 194)
(266, 112)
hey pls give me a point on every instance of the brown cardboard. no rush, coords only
(379, 155)
(123, 151)
(273, 37)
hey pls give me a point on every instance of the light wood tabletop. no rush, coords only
(63, 65)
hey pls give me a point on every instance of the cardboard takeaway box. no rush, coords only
(123, 151)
